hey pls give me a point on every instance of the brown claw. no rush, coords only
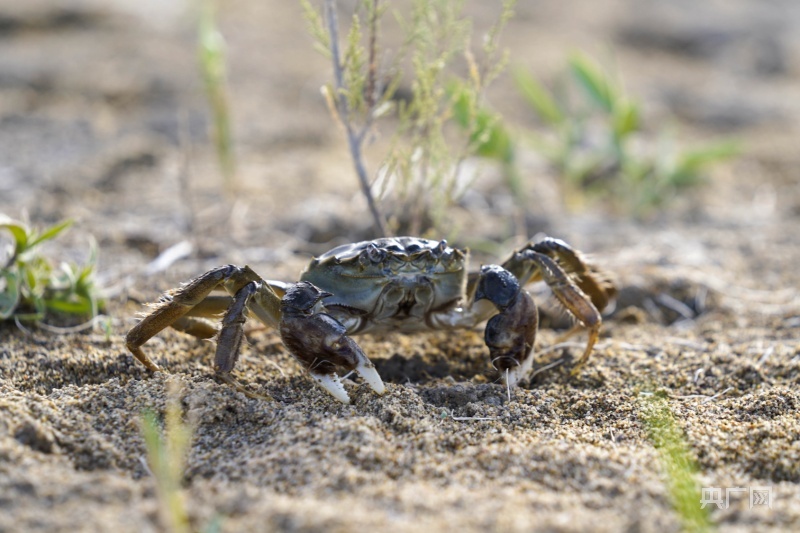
(321, 343)
(510, 334)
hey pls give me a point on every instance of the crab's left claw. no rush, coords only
(321, 343)
(511, 333)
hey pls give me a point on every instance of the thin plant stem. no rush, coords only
(212, 64)
(372, 72)
(355, 140)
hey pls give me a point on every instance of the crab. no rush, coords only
(399, 284)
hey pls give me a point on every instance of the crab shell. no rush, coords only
(390, 284)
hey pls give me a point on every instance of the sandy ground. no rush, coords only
(102, 112)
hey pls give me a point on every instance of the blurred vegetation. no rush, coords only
(675, 456)
(595, 140)
(489, 137)
(211, 47)
(441, 120)
(167, 450)
(593, 135)
(33, 289)
(166, 459)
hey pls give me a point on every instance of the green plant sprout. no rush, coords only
(676, 462)
(211, 47)
(166, 458)
(445, 121)
(441, 123)
(595, 141)
(489, 137)
(32, 289)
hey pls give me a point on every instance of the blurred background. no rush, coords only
(105, 118)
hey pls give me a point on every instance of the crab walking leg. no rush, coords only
(320, 342)
(571, 297)
(195, 326)
(510, 334)
(174, 306)
(592, 280)
(231, 336)
(199, 321)
(196, 321)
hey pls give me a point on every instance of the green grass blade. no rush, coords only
(152, 439)
(492, 138)
(677, 463)
(694, 161)
(538, 98)
(463, 106)
(488, 137)
(212, 64)
(626, 119)
(166, 455)
(593, 81)
(50, 233)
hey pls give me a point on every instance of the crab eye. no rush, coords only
(375, 254)
(371, 255)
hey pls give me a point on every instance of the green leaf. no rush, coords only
(538, 97)
(80, 306)
(593, 81)
(156, 452)
(694, 161)
(9, 297)
(626, 119)
(689, 166)
(18, 231)
(85, 275)
(493, 140)
(463, 104)
(50, 233)
(488, 136)
(36, 274)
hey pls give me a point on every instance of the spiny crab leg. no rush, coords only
(580, 287)
(511, 333)
(572, 298)
(177, 305)
(320, 342)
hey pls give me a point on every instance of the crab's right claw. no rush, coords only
(332, 384)
(321, 343)
(347, 351)
(367, 371)
(510, 334)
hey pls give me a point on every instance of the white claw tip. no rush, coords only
(367, 371)
(515, 374)
(512, 377)
(334, 387)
